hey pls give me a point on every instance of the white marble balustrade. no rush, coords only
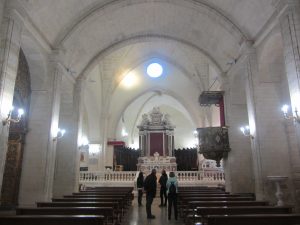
(107, 178)
(205, 178)
(127, 179)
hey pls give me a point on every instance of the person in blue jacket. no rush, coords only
(172, 187)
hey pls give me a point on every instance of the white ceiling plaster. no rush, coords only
(104, 39)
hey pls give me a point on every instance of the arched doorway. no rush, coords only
(16, 139)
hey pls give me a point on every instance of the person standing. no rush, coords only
(163, 188)
(140, 185)
(172, 187)
(150, 188)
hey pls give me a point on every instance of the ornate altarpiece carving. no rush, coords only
(156, 142)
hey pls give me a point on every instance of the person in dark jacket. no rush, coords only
(172, 187)
(163, 188)
(150, 188)
(140, 185)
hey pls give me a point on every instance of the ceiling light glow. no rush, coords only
(154, 70)
(129, 80)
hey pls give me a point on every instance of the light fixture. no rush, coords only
(9, 118)
(154, 70)
(246, 131)
(124, 132)
(285, 109)
(195, 133)
(60, 134)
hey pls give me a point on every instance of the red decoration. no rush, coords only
(116, 143)
(156, 143)
(222, 113)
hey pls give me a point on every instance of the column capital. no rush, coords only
(57, 60)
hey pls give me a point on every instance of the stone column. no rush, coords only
(107, 152)
(67, 158)
(251, 73)
(40, 149)
(78, 107)
(52, 143)
(289, 22)
(238, 163)
(10, 41)
(269, 143)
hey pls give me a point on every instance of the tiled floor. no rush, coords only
(137, 215)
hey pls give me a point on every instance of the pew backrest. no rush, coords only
(52, 220)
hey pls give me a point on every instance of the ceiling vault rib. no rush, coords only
(65, 33)
(141, 38)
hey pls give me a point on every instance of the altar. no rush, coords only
(146, 164)
(156, 142)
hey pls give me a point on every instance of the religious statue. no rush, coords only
(166, 119)
(145, 120)
(156, 116)
(156, 156)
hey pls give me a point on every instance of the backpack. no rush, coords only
(172, 189)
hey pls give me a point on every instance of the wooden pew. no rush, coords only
(108, 188)
(195, 204)
(52, 220)
(102, 199)
(183, 201)
(95, 196)
(107, 212)
(188, 199)
(115, 205)
(259, 219)
(206, 192)
(201, 213)
(128, 196)
(192, 205)
(77, 204)
(207, 195)
(121, 202)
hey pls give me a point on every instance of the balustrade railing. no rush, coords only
(214, 177)
(124, 178)
(107, 177)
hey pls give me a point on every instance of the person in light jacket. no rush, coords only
(172, 190)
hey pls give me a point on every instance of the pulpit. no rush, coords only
(156, 142)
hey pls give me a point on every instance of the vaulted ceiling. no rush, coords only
(104, 40)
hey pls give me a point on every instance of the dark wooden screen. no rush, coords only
(127, 157)
(186, 159)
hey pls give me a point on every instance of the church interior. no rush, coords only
(93, 92)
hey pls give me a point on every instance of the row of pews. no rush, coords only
(101, 206)
(213, 206)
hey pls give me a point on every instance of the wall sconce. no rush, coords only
(9, 118)
(124, 132)
(285, 109)
(195, 133)
(60, 134)
(246, 131)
